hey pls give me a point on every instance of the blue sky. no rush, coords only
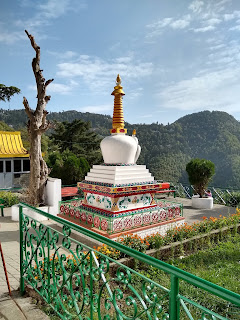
(174, 57)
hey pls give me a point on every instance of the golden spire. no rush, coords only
(118, 119)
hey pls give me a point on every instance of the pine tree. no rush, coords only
(78, 138)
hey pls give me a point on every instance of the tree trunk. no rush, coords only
(38, 170)
(37, 125)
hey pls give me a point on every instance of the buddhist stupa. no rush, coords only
(119, 194)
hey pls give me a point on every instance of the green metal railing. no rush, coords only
(79, 282)
(229, 196)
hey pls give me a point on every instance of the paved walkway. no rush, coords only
(21, 308)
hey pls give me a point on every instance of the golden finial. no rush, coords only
(134, 132)
(118, 80)
(118, 119)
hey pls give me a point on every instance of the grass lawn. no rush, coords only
(220, 264)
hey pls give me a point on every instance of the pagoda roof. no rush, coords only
(11, 145)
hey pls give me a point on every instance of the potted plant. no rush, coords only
(200, 172)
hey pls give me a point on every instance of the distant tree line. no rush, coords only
(166, 149)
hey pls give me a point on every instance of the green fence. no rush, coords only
(228, 197)
(78, 282)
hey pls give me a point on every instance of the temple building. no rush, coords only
(14, 159)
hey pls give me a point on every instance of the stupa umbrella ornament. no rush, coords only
(118, 118)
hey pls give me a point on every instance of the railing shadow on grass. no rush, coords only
(78, 282)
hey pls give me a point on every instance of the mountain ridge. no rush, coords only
(166, 149)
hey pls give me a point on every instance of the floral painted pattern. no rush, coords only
(146, 199)
(107, 203)
(135, 200)
(163, 215)
(104, 225)
(96, 222)
(123, 204)
(90, 198)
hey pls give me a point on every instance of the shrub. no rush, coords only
(67, 167)
(185, 231)
(200, 172)
(9, 198)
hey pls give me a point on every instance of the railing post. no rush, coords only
(21, 249)
(91, 284)
(174, 306)
(48, 267)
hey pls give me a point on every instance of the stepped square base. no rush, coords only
(142, 231)
(119, 189)
(119, 199)
(164, 213)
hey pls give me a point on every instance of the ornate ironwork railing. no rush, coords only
(78, 282)
(114, 224)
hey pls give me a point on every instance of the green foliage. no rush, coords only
(67, 166)
(7, 92)
(166, 149)
(134, 242)
(218, 264)
(200, 172)
(5, 127)
(78, 138)
(9, 198)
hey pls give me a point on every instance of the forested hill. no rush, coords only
(166, 149)
(18, 119)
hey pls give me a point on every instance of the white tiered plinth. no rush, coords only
(118, 175)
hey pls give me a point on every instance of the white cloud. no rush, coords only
(157, 27)
(211, 90)
(235, 28)
(204, 16)
(215, 87)
(98, 73)
(9, 37)
(137, 92)
(180, 24)
(213, 21)
(45, 12)
(52, 9)
(64, 55)
(204, 29)
(58, 87)
(97, 109)
(196, 6)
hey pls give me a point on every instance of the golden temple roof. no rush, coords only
(11, 145)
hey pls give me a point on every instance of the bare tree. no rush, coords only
(37, 125)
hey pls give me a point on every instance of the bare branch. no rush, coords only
(27, 108)
(45, 124)
(48, 82)
(47, 98)
(34, 45)
(40, 80)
